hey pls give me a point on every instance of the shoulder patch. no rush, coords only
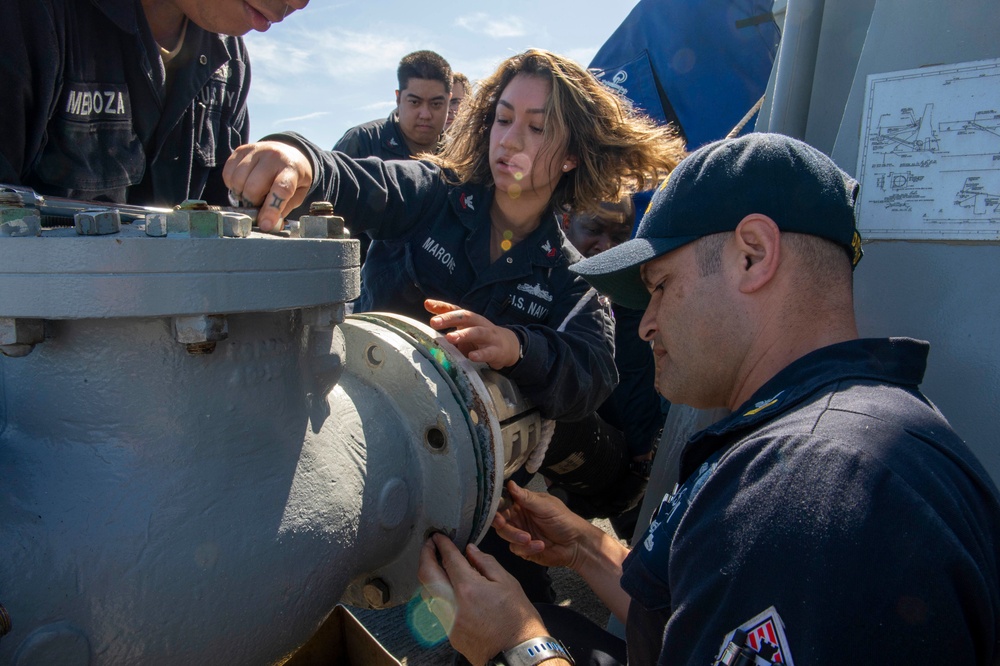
(760, 640)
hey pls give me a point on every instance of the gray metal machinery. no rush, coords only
(837, 58)
(200, 455)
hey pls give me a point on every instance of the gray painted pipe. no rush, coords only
(795, 68)
(163, 505)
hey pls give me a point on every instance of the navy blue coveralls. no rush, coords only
(378, 138)
(433, 241)
(837, 514)
(87, 115)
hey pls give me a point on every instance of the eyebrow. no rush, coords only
(644, 273)
(418, 97)
(642, 276)
(511, 107)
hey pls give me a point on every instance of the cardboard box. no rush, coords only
(342, 641)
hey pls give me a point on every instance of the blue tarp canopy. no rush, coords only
(700, 63)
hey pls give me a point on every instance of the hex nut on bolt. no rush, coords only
(377, 593)
(321, 222)
(321, 226)
(157, 224)
(197, 218)
(21, 331)
(236, 225)
(206, 224)
(178, 222)
(200, 333)
(325, 316)
(98, 222)
(18, 336)
(16, 222)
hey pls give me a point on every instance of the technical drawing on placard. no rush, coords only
(975, 197)
(913, 135)
(929, 161)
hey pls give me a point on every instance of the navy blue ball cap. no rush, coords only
(718, 185)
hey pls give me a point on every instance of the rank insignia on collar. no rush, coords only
(548, 249)
(393, 142)
(466, 201)
(763, 404)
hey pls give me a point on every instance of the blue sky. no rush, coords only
(333, 65)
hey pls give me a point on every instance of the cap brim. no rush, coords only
(616, 272)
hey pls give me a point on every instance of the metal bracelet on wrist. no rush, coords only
(531, 652)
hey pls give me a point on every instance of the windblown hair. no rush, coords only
(618, 150)
(423, 65)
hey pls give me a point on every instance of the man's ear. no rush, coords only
(397, 99)
(758, 241)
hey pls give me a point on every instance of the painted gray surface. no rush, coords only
(161, 507)
(130, 274)
(146, 490)
(947, 294)
(944, 292)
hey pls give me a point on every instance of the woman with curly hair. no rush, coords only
(472, 235)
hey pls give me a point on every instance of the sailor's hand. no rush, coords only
(273, 176)
(480, 605)
(475, 336)
(541, 529)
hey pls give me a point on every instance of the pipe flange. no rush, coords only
(469, 388)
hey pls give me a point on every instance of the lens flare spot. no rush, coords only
(507, 242)
(514, 191)
(518, 176)
(430, 620)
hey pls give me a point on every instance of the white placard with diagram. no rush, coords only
(929, 160)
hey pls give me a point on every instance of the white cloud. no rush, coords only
(483, 24)
(582, 56)
(296, 119)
